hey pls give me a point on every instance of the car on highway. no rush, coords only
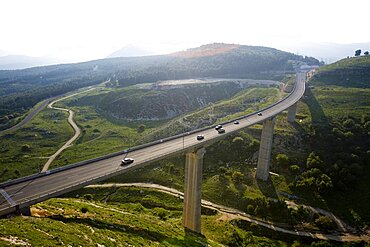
(236, 122)
(200, 137)
(127, 161)
(219, 126)
(259, 114)
(220, 131)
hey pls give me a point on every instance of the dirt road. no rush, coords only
(71, 121)
(230, 213)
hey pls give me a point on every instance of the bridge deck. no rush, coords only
(31, 191)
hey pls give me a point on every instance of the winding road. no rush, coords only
(75, 127)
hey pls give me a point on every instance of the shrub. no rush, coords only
(282, 160)
(84, 210)
(88, 197)
(294, 169)
(325, 223)
(250, 209)
(26, 148)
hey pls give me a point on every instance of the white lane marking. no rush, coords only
(7, 197)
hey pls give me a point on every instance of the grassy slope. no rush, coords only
(123, 217)
(349, 72)
(42, 139)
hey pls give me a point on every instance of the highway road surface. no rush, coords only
(29, 117)
(54, 183)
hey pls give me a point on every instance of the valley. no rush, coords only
(112, 118)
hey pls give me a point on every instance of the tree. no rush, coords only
(282, 160)
(366, 53)
(141, 128)
(357, 52)
(313, 161)
(237, 177)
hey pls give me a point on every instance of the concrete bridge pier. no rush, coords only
(25, 211)
(292, 112)
(193, 190)
(264, 155)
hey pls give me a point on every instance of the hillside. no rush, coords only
(163, 100)
(133, 217)
(348, 72)
(21, 89)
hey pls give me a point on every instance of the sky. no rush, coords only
(78, 30)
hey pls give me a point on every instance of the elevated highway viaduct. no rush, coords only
(19, 194)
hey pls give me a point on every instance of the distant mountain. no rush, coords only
(11, 62)
(130, 51)
(348, 72)
(21, 89)
(330, 52)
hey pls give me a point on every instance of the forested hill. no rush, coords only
(348, 72)
(21, 89)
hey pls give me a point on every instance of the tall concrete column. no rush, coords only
(264, 156)
(193, 190)
(291, 113)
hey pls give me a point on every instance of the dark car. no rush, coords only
(127, 161)
(219, 126)
(259, 114)
(200, 137)
(236, 122)
(220, 131)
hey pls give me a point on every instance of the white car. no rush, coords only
(219, 126)
(127, 161)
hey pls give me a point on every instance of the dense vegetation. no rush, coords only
(21, 89)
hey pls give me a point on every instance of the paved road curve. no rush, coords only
(31, 191)
(29, 117)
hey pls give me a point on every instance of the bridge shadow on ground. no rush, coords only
(318, 116)
(190, 239)
(267, 188)
(298, 128)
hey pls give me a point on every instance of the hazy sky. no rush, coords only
(89, 29)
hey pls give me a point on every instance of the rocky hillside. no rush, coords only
(165, 100)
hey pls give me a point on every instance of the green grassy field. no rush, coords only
(25, 150)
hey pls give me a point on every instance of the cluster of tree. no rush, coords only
(347, 160)
(323, 173)
(358, 53)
